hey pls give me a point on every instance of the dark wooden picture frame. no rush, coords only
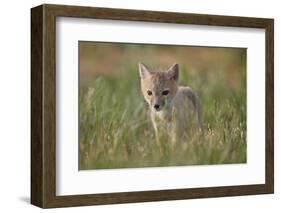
(43, 105)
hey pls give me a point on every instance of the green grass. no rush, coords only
(116, 131)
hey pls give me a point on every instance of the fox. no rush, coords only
(173, 108)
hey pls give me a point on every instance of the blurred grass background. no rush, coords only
(115, 129)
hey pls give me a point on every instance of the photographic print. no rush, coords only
(152, 105)
(142, 96)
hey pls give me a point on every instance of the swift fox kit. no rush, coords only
(172, 107)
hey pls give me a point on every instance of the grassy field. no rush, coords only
(116, 131)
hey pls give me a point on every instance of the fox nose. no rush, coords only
(156, 106)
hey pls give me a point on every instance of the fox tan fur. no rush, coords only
(173, 108)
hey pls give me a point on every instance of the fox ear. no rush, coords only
(173, 72)
(144, 72)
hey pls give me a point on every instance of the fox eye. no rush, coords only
(165, 92)
(149, 92)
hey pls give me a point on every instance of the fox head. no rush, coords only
(160, 87)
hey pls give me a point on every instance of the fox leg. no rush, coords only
(172, 133)
(154, 124)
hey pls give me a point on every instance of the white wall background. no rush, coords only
(15, 105)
